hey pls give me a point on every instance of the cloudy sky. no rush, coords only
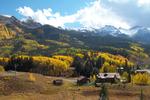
(81, 13)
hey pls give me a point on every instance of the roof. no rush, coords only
(108, 75)
(144, 70)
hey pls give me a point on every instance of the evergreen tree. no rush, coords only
(100, 62)
(78, 64)
(104, 93)
(88, 68)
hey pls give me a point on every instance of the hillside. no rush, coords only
(5, 32)
(31, 38)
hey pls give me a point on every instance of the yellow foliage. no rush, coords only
(115, 60)
(125, 75)
(31, 77)
(141, 79)
(80, 55)
(2, 68)
(108, 68)
(92, 78)
(50, 66)
(4, 61)
(67, 59)
(50, 62)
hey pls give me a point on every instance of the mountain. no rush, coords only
(31, 24)
(14, 22)
(6, 33)
(108, 30)
(104, 31)
(136, 33)
(142, 35)
(32, 38)
(4, 19)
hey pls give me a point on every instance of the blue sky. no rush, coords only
(9, 7)
(80, 13)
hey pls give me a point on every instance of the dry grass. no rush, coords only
(21, 88)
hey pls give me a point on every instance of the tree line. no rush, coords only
(86, 64)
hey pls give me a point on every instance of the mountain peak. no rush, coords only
(136, 27)
(108, 30)
(31, 24)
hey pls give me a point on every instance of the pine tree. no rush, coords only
(104, 93)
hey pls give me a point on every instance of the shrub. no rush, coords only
(141, 79)
(125, 76)
(2, 69)
(4, 61)
(31, 77)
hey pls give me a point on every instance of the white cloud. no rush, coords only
(46, 16)
(142, 3)
(94, 15)
(26, 11)
(119, 1)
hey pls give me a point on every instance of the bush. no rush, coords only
(31, 77)
(125, 76)
(4, 61)
(2, 69)
(141, 79)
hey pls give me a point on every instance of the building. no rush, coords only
(142, 71)
(107, 78)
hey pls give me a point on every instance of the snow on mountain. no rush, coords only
(138, 33)
(108, 30)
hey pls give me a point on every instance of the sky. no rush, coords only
(80, 13)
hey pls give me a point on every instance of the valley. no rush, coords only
(33, 55)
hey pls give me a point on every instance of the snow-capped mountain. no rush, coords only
(108, 30)
(137, 33)
(142, 34)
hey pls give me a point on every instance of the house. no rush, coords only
(107, 78)
(142, 71)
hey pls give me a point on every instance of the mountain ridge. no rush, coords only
(46, 40)
(136, 33)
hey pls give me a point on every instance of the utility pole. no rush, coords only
(141, 94)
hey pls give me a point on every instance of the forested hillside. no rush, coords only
(44, 40)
